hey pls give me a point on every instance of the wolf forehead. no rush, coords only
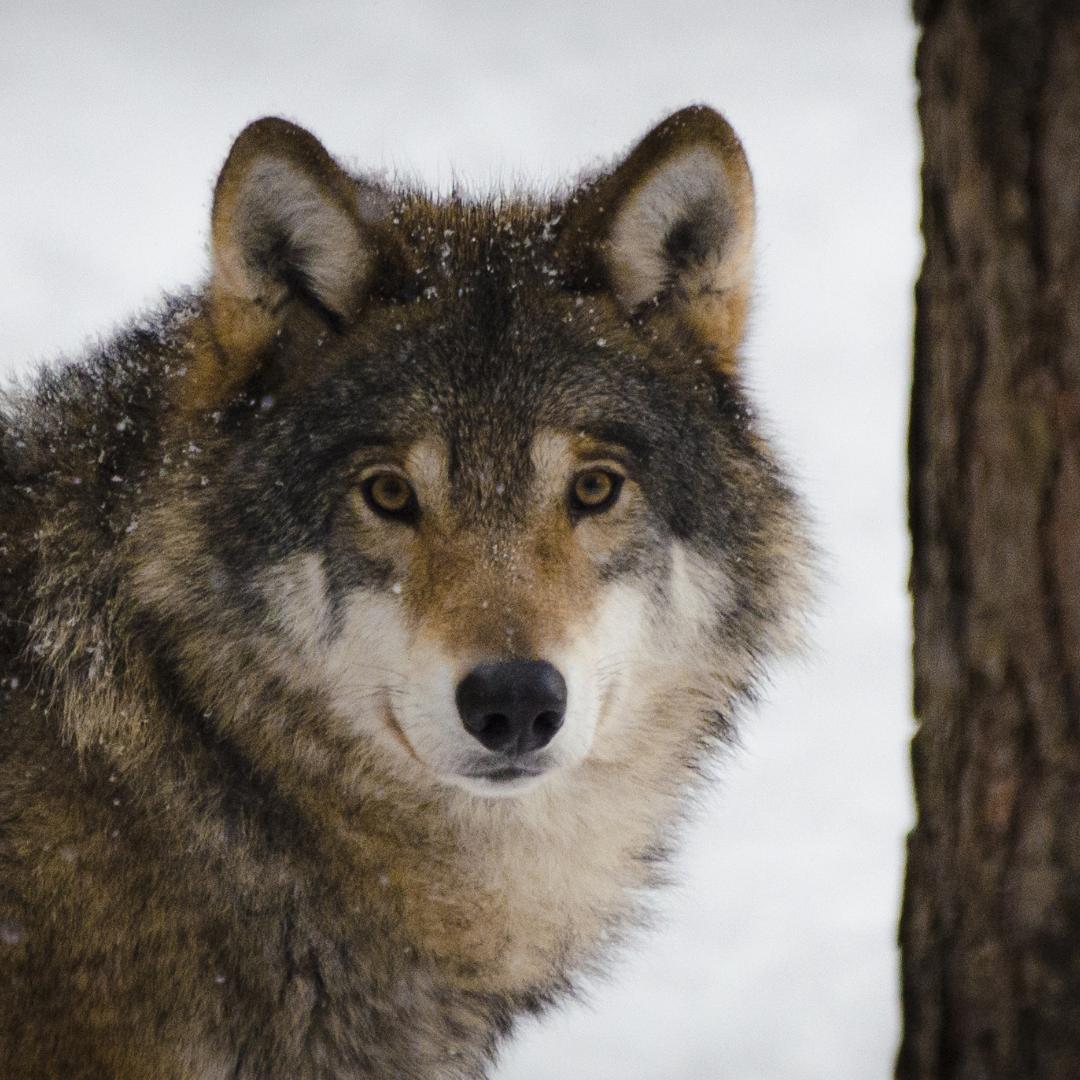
(485, 374)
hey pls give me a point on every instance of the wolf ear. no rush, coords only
(671, 226)
(291, 254)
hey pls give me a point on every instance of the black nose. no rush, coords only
(515, 706)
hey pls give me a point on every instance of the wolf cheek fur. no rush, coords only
(368, 614)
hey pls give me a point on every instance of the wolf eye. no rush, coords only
(390, 496)
(594, 490)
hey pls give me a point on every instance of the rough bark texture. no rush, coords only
(990, 930)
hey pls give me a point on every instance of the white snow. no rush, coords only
(774, 957)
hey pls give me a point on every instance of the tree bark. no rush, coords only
(990, 927)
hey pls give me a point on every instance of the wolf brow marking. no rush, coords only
(621, 442)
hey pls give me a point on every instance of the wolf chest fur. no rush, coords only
(368, 613)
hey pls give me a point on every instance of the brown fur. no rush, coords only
(205, 871)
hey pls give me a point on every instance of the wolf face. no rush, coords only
(484, 471)
(485, 611)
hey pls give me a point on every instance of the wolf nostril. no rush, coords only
(493, 727)
(547, 723)
(514, 706)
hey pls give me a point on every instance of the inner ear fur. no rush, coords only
(671, 227)
(291, 254)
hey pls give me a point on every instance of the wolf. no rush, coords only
(370, 612)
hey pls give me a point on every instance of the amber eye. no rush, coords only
(594, 490)
(390, 496)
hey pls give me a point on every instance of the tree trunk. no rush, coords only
(990, 928)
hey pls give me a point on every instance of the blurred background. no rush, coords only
(773, 957)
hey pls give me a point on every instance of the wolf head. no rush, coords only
(480, 477)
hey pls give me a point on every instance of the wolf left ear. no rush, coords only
(672, 226)
(292, 255)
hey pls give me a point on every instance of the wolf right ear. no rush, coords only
(292, 254)
(671, 227)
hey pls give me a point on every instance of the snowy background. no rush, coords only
(774, 958)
